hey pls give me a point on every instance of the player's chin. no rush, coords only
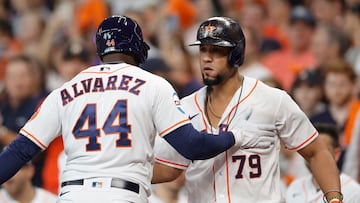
(207, 80)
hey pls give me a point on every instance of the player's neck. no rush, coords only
(219, 98)
(119, 58)
(225, 91)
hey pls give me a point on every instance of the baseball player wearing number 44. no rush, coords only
(230, 100)
(108, 116)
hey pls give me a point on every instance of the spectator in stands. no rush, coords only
(252, 65)
(329, 44)
(254, 16)
(352, 28)
(339, 83)
(75, 58)
(31, 26)
(9, 46)
(328, 12)
(23, 92)
(20, 189)
(307, 91)
(286, 64)
(342, 107)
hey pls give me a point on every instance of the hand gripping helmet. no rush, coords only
(224, 32)
(121, 34)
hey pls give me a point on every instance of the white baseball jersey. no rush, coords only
(41, 196)
(108, 116)
(303, 191)
(241, 175)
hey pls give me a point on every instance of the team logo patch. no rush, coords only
(209, 31)
(177, 103)
(97, 184)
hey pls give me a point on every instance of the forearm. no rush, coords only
(163, 173)
(323, 168)
(17, 154)
(194, 145)
(327, 179)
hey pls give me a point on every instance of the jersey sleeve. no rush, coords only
(296, 130)
(45, 123)
(167, 155)
(168, 114)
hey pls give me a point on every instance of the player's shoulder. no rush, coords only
(195, 95)
(257, 87)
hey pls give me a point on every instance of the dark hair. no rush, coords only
(330, 130)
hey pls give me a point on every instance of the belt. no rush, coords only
(115, 182)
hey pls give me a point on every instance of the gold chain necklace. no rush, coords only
(211, 108)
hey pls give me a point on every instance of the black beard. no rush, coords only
(220, 78)
(211, 82)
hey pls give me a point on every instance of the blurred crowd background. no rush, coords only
(309, 48)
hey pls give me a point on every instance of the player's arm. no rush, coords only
(16, 155)
(323, 167)
(163, 173)
(195, 145)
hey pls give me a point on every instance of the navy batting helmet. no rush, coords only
(121, 34)
(224, 32)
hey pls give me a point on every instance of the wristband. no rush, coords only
(334, 199)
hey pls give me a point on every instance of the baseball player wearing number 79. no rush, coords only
(108, 116)
(230, 100)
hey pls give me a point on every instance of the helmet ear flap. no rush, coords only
(236, 56)
(98, 41)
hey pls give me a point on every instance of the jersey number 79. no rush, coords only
(92, 132)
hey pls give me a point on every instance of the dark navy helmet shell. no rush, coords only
(121, 34)
(224, 32)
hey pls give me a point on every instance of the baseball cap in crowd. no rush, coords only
(301, 13)
(76, 50)
(312, 77)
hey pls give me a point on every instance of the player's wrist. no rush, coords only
(333, 196)
(335, 200)
(237, 137)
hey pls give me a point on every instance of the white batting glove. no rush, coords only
(253, 135)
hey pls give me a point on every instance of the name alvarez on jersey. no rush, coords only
(114, 82)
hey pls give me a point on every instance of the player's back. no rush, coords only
(107, 122)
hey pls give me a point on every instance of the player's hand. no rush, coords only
(253, 135)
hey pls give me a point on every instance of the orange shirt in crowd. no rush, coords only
(13, 49)
(284, 65)
(51, 170)
(274, 32)
(350, 123)
(90, 13)
(184, 10)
